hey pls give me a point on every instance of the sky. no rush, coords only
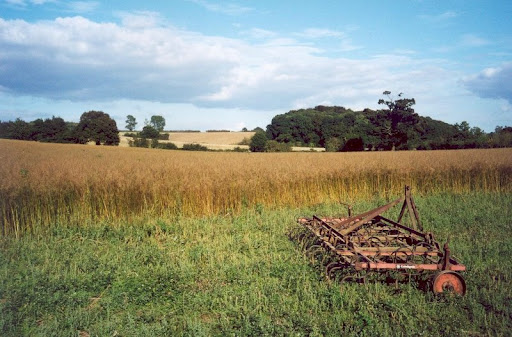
(215, 64)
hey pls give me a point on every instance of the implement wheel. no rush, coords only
(449, 282)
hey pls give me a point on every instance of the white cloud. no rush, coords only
(140, 19)
(41, 2)
(258, 33)
(472, 40)
(81, 6)
(146, 60)
(316, 33)
(16, 3)
(76, 7)
(441, 17)
(223, 7)
(492, 82)
(142, 59)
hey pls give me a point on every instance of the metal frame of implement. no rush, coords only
(372, 242)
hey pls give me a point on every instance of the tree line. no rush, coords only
(95, 126)
(396, 127)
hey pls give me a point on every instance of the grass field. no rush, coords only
(241, 276)
(104, 241)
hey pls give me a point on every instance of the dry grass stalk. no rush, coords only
(47, 183)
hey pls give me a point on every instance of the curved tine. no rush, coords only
(308, 241)
(402, 249)
(374, 239)
(331, 271)
(314, 252)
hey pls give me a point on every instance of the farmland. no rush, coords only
(129, 241)
(50, 183)
(212, 140)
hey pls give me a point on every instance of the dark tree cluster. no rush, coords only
(54, 130)
(94, 126)
(97, 126)
(397, 127)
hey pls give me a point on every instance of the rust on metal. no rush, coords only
(371, 242)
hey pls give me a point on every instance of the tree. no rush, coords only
(158, 122)
(353, 144)
(258, 142)
(130, 122)
(97, 126)
(275, 146)
(333, 144)
(149, 132)
(399, 120)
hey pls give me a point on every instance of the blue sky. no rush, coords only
(210, 64)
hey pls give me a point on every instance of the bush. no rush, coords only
(245, 141)
(163, 136)
(138, 142)
(353, 144)
(274, 146)
(194, 147)
(258, 142)
(149, 132)
(131, 134)
(168, 146)
(154, 143)
(333, 144)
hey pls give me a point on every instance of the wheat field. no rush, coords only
(212, 140)
(47, 184)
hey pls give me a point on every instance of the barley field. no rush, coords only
(44, 184)
(104, 241)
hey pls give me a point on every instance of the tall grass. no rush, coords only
(44, 184)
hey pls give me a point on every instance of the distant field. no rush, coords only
(212, 140)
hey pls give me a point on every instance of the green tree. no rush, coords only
(97, 126)
(131, 123)
(149, 132)
(353, 144)
(333, 144)
(399, 121)
(502, 137)
(258, 142)
(158, 122)
(274, 146)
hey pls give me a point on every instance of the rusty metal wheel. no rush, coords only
(449, 282)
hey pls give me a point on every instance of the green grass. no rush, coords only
(241, 275)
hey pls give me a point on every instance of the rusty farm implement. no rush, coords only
(353, 247)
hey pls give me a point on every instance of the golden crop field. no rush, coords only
(212, 140)
(44, 184)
